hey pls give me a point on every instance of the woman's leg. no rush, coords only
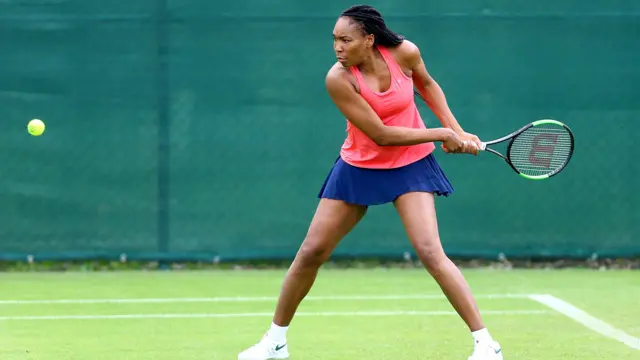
(418, 215)
(332, 221)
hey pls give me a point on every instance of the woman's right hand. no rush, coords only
(452, 143)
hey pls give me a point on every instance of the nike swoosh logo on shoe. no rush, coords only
(279, 347)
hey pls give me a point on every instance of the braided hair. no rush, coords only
(370, 21)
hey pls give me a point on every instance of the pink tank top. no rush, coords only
(395, 107)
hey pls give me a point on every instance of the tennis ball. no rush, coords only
(35, 127)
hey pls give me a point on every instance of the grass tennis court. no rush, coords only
(350, 314)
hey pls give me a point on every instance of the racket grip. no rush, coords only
(482, 145)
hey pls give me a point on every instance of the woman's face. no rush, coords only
(350, 43)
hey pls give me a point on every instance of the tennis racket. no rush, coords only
(536, 151)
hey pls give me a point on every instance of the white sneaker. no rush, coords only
(266, 349)
(487, 350)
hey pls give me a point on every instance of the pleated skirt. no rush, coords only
(379, 186)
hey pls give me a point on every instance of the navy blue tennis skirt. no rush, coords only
(366, 187)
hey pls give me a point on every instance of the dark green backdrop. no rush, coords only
(201, 129)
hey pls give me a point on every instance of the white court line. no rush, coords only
(251, 299)
(587, 320)
(270, 314)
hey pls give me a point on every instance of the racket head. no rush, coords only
(541, 150)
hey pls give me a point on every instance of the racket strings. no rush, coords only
(541, 149)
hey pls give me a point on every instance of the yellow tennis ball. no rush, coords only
(36, 127)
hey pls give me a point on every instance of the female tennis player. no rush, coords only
(386, 157)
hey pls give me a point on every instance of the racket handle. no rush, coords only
(482, 145)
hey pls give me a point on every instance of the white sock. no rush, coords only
(278, 333)
(481, 335)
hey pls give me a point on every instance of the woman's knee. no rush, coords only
(332, 221)
(431, 254)
(313, 253)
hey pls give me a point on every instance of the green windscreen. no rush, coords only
(193, 129)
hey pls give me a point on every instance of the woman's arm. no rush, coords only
(430, 91)
(361, 115)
